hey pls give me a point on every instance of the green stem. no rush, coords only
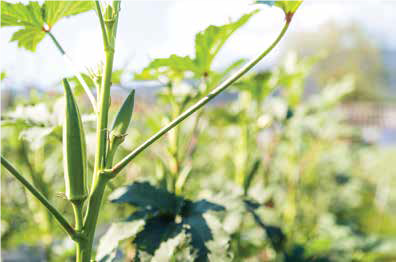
(91, 218)
(59, 217)
(76, 71)
(120, 165)
(101, 130)
(102, 25)
(78, 216)
(61, 50)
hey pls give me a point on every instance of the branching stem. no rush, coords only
(120, 165)
(58, 216)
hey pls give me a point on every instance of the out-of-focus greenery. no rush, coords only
(346, 49)
(270, 171)
(296, 181)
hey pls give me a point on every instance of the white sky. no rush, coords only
(150, 29)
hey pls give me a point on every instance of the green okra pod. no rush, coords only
(74, 149)
(124, 115)
(120, 126)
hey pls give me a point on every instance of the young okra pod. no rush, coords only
(124, 116)
(120, 125)
(74, 149)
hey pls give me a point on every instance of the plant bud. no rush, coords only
(124, 116)
(74, 149)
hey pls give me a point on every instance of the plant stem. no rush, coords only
(74, 67)
(99, 179)
(91, 218)
(102, 25)
(78, 217)
(120, 165)
(101, 130)
(58, 216)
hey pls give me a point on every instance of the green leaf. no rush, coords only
(156, 231)
(176, 215)
(273, 233)
(209, 42)
(28, 38)
(146, 196)
(198, 229)
(115, 234)
(207, 45)
(18, 14)
(3, 75)
(173, 67)
(36, 19)
(288, 6)
(55, 10)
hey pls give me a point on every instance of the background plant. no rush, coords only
(291, 161)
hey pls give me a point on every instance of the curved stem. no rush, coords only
(75, 69)
(120, 165)
(59, 217)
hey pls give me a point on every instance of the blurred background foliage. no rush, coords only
(300, 175)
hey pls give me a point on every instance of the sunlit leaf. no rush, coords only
(35, 19)
(116, 233)
(289, 7)
(3, 75)
(209, 42)
(55, 10)
(28, 37)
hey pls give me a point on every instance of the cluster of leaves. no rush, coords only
(36, 20)
(165, 216)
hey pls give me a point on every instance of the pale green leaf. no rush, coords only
(209, 42)
(35, 19)
(18, 14)
(28, 38)
(55, 10)
(289, 7)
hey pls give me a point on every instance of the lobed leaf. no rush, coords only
(209, 42)
(55, 10)
(161, 210)
(36, 19)
(146, 196)
(156, 231)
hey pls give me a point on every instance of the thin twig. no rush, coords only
(61, 219)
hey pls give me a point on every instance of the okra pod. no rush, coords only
(74, 149)
(120, 126)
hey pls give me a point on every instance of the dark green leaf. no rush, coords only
(145, 196)
(156, 231)
(199, 207)
(274, 233)
(198, 228)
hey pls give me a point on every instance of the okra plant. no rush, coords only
(166, 211)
